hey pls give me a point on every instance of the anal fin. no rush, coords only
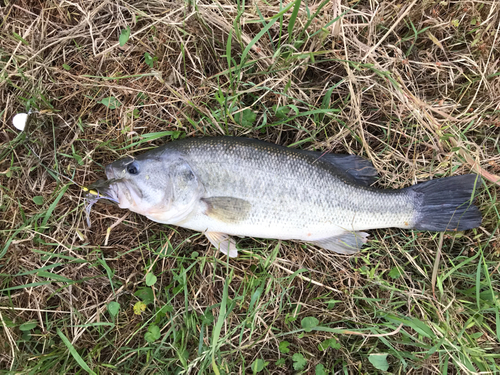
(223, 242)
(346, 243)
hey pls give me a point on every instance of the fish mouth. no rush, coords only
(126, 194)
(116, 187)
(113, 190)
(99, 190)
(102, 189)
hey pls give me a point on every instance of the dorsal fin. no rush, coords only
(359, 169)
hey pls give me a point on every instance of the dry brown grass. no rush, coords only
(417, 90)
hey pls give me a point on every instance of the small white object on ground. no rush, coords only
(19, 121)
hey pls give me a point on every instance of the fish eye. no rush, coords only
(132, 169)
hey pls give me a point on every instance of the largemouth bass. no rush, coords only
(228, 186)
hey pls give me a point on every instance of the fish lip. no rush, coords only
(113, 194)
(108, 193)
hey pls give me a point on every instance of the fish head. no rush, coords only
(158, 184)
(139, 184)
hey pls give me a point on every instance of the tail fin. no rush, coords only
(446, 204)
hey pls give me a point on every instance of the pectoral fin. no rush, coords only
(223, 242)
(347, 243)
(227, 209)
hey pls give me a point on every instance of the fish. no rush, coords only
(229, 186)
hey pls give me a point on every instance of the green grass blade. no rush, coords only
(74, 353)
(53, 205)
(228, 48)
(261, 33)
(9, 241)
(29, 285)
(310, 20)
(293, 18)
(494, 297)
(220, 322)
(478, 282)
(54, 276)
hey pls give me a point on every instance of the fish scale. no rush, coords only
(295, 192)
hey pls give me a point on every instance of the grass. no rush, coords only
(132, 296)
